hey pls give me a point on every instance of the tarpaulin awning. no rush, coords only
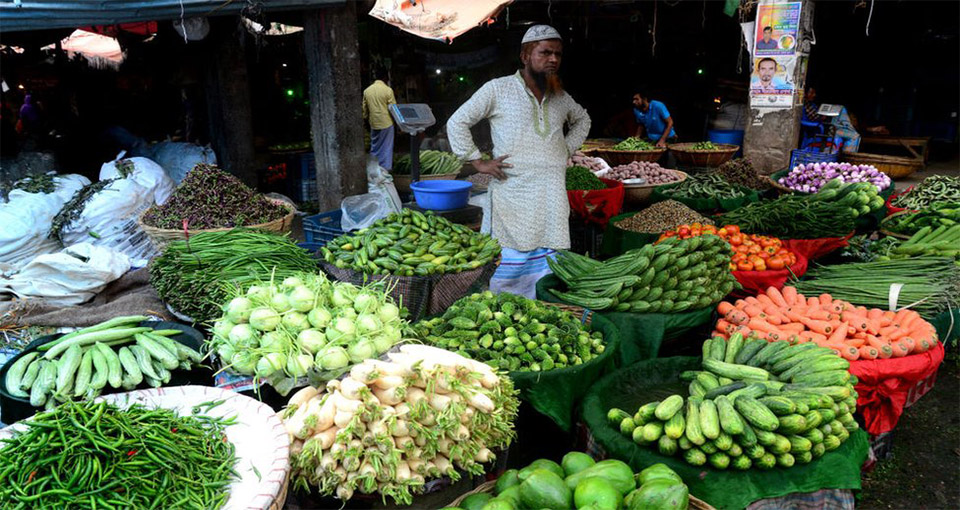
(99, 50)
(20, 15)
(442, 20)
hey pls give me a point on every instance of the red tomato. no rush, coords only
(744, 266)
(776, 262)
(733, 229)
(736, 239)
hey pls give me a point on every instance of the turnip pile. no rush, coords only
(280, 332)
(649, 171)
(388, 426)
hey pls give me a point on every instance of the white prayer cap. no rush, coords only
(540, 33)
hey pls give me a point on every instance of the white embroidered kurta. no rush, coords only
(529, 209)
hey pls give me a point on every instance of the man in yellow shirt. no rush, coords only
(376, 98)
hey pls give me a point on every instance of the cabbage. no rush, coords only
(280, 303)
(273, 341)
(242, 335)
(389, 312)
(365, 302)
(296, 321)
(319, 317)
(368, 323)
(297, 366)
(332, 358)
(301, 299)
(362, 349)
(238, 310)
(311, 340)
(264, 319)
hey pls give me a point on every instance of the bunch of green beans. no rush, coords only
(708, 185)
(195, 277)
(96, 455)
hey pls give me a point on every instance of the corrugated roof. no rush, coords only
(20, 15)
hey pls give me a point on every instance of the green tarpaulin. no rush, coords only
(641, 334)
(656, 379)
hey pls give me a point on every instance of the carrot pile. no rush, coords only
(855, 332)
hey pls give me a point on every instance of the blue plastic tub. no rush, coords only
(730, 136)
(441, 195)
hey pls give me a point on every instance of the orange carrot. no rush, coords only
(813, 302)
(900, 349)
(801, 300)
(825, 299)
(902, 314)
(869, 352)
(789, 295)
(886, 352)
(822, 327)
(762, 325)
(924, 345)
(875, 342)
(850, 353)
(873, 326)
(875, 314)
(777, 297)
(791, 327)
(910, 342)
(753, 311)
(835, 307)
(837, 336)
(753, 301)
(765, 300)
(862, 310)
(793, 315)
(819, 315)
(724, 307)
(737, 317)
(724, 326)
(858, 322)
(814, 337)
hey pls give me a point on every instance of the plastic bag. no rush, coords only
(69, 277)
(145, 172)
(361, 211)
(178, 158)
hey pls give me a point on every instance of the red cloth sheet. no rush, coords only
(806, 250)
(599, 205)
(884, 384)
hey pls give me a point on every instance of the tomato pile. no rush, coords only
(751, 252)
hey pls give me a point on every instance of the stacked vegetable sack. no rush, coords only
(751, 252)
(512, 333)
(580, 482)
(412, 243)
(81, 364)
(279, 332)
(674, 276)
(754, 404)
(389, 426)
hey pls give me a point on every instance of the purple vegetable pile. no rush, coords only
(809, 178)
(649, 171)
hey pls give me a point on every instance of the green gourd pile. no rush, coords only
(754, 404)
(674, 275)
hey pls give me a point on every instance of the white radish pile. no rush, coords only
(649, 171)
(388, 426)
(594, 164)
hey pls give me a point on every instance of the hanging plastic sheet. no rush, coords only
(442, 20)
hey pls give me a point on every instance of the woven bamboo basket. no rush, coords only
(487, 487)
(161, 237)
(686, 155)
(617, 158)
(402, 182)
(897, 167)
(586, 316)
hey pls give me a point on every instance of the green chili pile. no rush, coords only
(96, 455)
(708, 185)
(932, 189)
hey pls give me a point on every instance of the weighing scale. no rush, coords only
(413, 119)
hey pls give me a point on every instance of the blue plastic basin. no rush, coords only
(442, 195)
(730, 136)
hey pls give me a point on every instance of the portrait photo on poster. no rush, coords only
(771, 82)
(777, 27)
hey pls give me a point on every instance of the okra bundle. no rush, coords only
(754, 404)
(412, 243)
(672, 276)
(512, 333)
(81, 364)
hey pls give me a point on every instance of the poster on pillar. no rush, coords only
(777, 29)
(772, 82)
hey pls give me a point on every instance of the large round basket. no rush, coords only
(638, 195)
(402, 182)
(161, 236)
(897, 167)
(617, 158)
(686, 155)
(487, 488)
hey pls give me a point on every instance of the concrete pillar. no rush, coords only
(768, 144)
(333, 68)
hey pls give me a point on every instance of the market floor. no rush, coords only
(924, 472)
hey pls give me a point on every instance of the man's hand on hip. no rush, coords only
(493, 167)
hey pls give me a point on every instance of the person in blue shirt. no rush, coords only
(767, 43)
(653, 119)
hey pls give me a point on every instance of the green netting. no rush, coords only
(641, 334)
(655, 379)
(707, 204)
(617, 240)
(557, 392)
(947, 325)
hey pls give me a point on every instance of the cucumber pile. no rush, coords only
(512, 333)
(754, 404)
(672, 276)
(117, 352)
(411, 243)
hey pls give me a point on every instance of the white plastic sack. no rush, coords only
(361, 211)
(70, 277)
(178, 158)
(26, 220)
(145, 173)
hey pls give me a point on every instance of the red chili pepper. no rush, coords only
(173, 430)
(30, 478)
(131, 453)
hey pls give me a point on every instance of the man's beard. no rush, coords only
(549, 83)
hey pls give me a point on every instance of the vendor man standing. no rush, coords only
(527, 212)
(654, 118)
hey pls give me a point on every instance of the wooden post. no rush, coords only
(768, 144)
(333, 66)
(228, 99)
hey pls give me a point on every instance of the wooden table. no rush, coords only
(918, 146)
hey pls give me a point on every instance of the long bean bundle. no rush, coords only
(197, 276)
(929, 284)
(709, 185)
(96, 455)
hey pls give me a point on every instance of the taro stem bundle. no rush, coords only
(929, 284)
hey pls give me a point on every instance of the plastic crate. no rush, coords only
(322, 228)
(307, 185)
(802, 157)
